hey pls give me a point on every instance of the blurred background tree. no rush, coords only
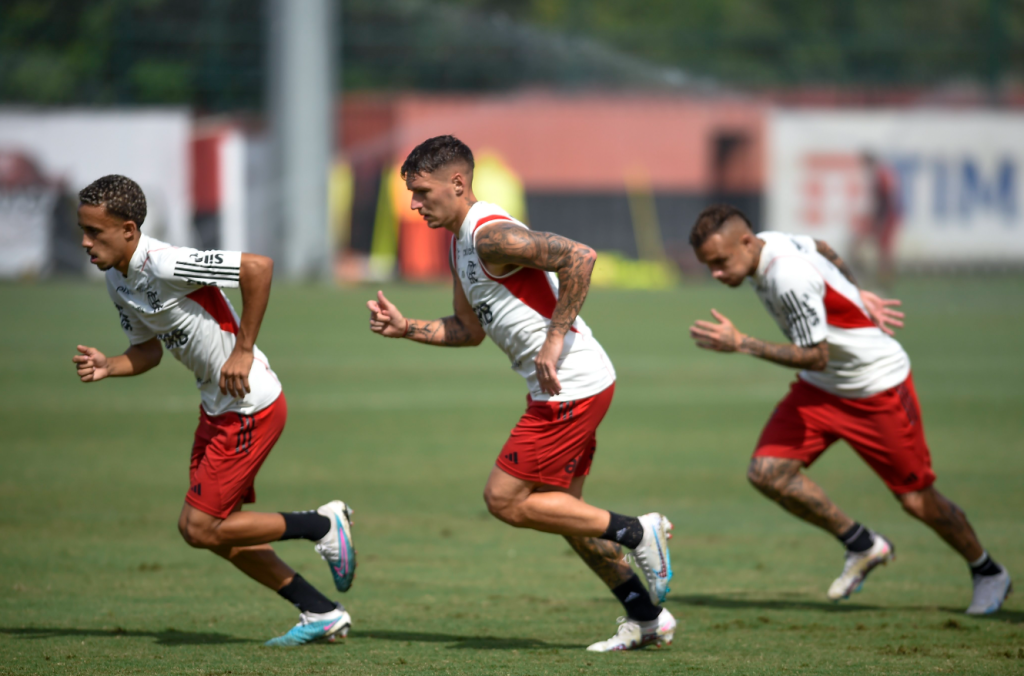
(210, 53)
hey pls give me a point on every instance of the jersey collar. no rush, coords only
(762, 263)
(138, 260)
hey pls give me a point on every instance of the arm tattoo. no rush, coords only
(827, 251)
(447, 332)
(507, 244)
(604, 558)
(814, 358)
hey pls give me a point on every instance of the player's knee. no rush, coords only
(502, 507)
(913, 503)
(758, 477)
(199, 537)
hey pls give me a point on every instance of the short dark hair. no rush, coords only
(434, 153)
(711, 221)
(119, 194)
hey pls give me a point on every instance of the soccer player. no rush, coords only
(525, 289)
(854, 384)
(169, 295)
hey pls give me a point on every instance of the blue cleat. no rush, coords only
(315, 627)
(336, 547)
(652, 555)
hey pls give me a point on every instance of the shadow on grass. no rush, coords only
(462, 642)
(733, 602)
(168, 637)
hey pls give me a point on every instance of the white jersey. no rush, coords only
(170, 293)
(515, 311)
(812, 301)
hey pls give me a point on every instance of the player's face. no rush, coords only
(105, 237)
(730, 254)
(436, 196)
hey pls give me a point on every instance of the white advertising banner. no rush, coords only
(956, 177)
(47, 152)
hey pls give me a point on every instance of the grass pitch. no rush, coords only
(94, 578)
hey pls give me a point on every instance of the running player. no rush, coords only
(169, 295)
(524, 289)
(855, 384)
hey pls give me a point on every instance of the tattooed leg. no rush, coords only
(781, 480)
(944, 517)
(604, 558)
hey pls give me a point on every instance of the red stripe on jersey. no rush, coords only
(531, 286)
(488, 219)
(211, 299)
(843, 313)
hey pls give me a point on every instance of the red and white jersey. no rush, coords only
(515, 311)
(812, 301)
(171, 293)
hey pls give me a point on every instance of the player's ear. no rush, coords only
(129, 229)
(459, 183)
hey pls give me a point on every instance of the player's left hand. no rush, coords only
(547, 364)
(234, 375)
(722, 337)
(879, 309)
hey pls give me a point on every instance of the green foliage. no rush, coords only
(95, 579)
(211, 53)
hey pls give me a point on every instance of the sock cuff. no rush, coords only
(981, 560)
(852, 534)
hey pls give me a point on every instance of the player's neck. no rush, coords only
(466, 203)
(129, 253)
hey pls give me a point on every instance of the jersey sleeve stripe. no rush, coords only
(796, 319)
(199, 266)
(205, 273)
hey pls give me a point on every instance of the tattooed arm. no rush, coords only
(461, 329)
(827, 251)
(879, 309)
(504, 243)
(724, 337)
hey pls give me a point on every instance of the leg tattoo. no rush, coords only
(945, 518)
(782, 481)
(604, 558)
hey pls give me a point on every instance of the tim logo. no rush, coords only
(483, 312)
(207, 257)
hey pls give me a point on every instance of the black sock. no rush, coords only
(305, 597)
(309, 525)
(857, 539)
(636, 600)
(626, 530)
(988, 566)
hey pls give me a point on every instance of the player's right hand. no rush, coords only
(882, 312)
(91, 363)
(385, 318)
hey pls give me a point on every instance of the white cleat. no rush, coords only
(336, 547)
(858, 565)
(652, 555)
(989, 592)
(633, 635)
(313, 627)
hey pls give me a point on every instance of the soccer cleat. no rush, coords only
(858, 565)
(652, 555)
(315, 627)
(989, 592)
(633, 635)
(336, 547)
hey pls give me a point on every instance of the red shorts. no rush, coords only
(554, 442)
(227, 453)
(885, 429)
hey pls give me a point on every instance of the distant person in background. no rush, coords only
(854, 384)
(167, 294)
(881, 219)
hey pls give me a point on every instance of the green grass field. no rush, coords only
(94, 578)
